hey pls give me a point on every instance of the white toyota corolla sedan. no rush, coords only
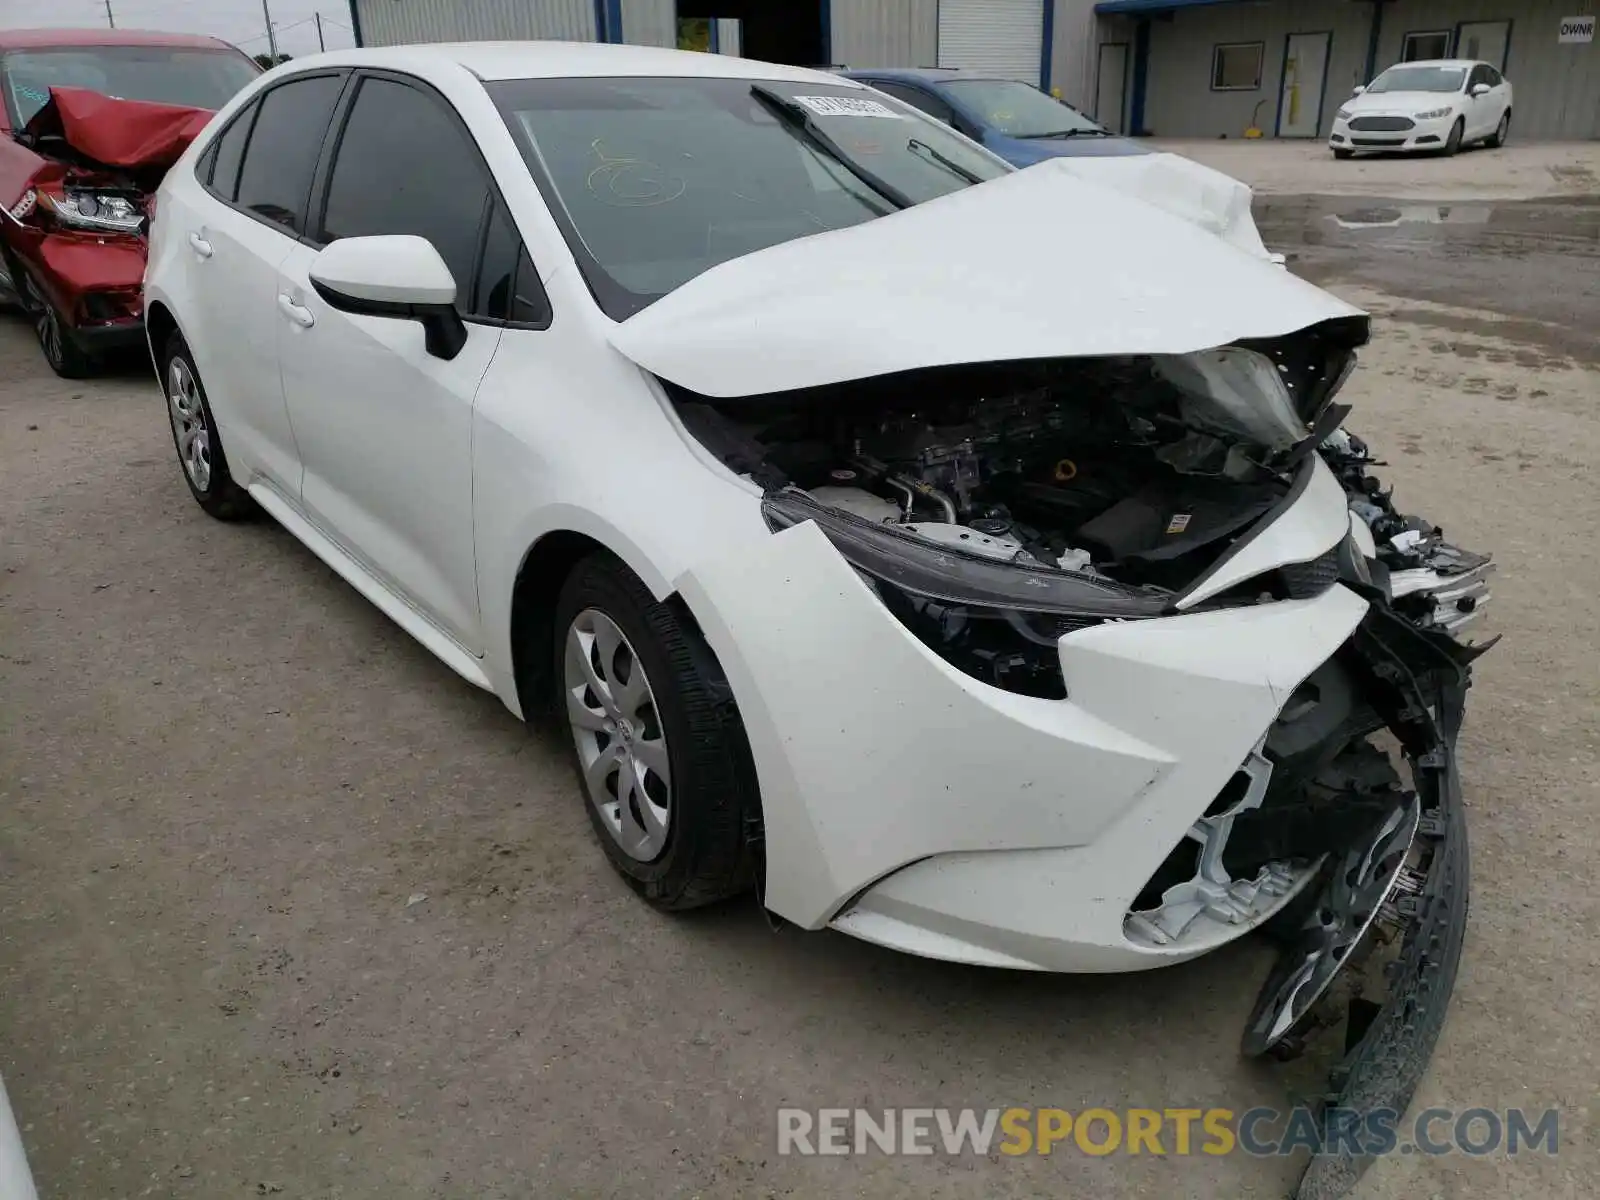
(971, 559)
(1439, 106)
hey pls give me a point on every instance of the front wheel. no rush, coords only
(1453, 143)
(659, 748)
(66, 358)
(1338, 153)
(1501, 131)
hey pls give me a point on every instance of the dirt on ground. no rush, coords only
(286, 908)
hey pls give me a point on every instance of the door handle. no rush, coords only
(200, 246)
(298, 313)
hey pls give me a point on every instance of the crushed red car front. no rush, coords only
(76, 183)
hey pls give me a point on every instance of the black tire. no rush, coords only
(1501, 132)
(1361, 771)
(708, 853)
(1452, 144)
(1338, 153)
(66, 358)
(219, 495)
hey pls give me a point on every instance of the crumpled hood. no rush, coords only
(117, 133)
(1037, 264)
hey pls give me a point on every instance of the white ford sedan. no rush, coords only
(969, 559)
(1438, 106)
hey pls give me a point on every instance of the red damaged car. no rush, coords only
(89, 122)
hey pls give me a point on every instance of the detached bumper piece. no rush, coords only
(1425, 578)
(1402, 889)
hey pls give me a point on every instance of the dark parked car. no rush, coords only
(1015, 120)
(89, 122)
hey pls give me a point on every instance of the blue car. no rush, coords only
(1015, 120)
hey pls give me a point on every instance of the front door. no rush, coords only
(385, 427)
(1111, 85)
(1305, 66)
(1485, 41)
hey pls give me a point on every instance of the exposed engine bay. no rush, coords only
(1038, 467)
(1132, 474)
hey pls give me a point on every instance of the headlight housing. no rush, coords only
(993, 620)
(103, 212)
(1344, 114)
(1432, 114)
(1236, 391)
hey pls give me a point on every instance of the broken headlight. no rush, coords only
(103, 212)
(996, 621)
(1234, 390)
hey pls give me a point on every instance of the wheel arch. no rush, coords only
(159, 325)
(540, 574)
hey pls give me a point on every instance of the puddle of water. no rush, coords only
(1414, 214)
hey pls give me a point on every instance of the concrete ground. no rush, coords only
(1517, 171)
(288, 909)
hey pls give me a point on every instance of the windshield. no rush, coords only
(1019, 109)
(655, 180)
(1419, 79)
(163, 74)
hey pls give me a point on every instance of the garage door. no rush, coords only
(1000, 37)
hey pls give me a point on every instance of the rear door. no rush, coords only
(384, 427)
(257, 183)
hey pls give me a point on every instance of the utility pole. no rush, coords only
(110, 20)
(321, 45)
(272, 37)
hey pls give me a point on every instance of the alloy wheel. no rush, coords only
(189, 424)
(622, 748)
(46, 325)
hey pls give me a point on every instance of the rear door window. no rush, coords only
(226, 153)
(281, 155)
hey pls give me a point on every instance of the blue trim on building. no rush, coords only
(826, 12)
(1048, 40)
(609, 13)
(1141, 77)
(716, 39)
(355, 20)
(1373, 35)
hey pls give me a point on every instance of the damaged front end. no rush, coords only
(995, 509)
(76, 185)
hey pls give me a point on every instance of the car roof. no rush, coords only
(1443, 62)
(492, 61)
(55, 39)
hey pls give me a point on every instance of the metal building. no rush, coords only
(1212, 68)
(1173, 68)
(1041, 41)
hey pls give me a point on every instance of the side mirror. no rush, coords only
(1358, 89)
(1480, 89)
(396, 275)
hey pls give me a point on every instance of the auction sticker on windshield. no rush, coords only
(846, 106)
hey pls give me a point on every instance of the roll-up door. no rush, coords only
(999, 37)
